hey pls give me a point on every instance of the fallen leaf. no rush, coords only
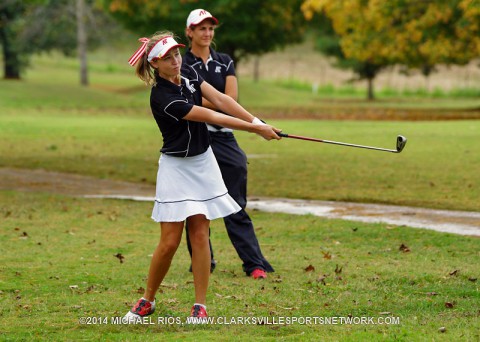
(442, 329)
(448, 305)
(327, 255)
(432, 294)
(120, 257)
(322, 278)
(338, 270)
(281, 307)
(472, 279)
(73, 287)
(141, 290)
(309, 268)
(385, 313)
(404, 248)
(454, 273)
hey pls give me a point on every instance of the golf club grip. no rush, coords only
(285, 135)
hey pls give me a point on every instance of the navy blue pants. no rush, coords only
(233, 165)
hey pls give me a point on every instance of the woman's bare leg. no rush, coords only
(198, 232)
(170, 237)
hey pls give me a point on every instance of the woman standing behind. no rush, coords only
(218, 70)
(189, 183)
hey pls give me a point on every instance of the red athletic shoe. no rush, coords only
(141, 309)
(198, 311)
(258, 274)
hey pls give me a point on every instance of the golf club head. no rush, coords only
(401, 142)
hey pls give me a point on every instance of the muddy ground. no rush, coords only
(457, 222)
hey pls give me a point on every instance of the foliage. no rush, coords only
(52, 26)
(34, 26)
(409, 32)
(418, 34)
(246, 26)
(11, 12)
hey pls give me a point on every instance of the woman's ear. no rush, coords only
(154, 63)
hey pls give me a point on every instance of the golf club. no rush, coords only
(401, 141)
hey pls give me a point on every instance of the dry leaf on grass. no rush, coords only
(120, 257)
(327, 255)
(309, 268)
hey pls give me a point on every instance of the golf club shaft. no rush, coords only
(285, 135)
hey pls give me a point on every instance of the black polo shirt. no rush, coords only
(170, 103)
(217, 69)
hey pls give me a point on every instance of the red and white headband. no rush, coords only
(159, 50)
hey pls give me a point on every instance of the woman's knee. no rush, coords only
(168, 248)
(198, 229)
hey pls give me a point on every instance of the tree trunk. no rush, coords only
(370, 95)
(256, 68)
(10, 56)
(82, 42)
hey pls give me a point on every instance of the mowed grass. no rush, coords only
(60, 262)
(437, 169)
(60, 256)
(107, 131)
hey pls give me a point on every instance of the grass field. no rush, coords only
(59, 265)
(58, 254)
(438, 167)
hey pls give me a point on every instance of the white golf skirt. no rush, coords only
(191, 186)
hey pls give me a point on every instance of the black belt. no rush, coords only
(220, 133)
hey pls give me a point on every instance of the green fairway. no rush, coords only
(61, 256)
(437, 169)
(61, 263)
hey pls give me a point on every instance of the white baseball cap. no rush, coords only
(197, 16)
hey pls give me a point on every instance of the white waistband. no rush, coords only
(223, 129)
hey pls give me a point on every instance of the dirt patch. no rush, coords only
(68, 184)
(458, 222)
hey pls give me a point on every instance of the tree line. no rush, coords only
(366, 36)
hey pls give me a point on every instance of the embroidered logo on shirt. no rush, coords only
(218, 69)
(190, 86)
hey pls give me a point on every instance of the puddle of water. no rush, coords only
(463, 223)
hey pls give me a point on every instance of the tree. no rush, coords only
(417, 34)
(10, 13)
(328, 42)
(247, 27)
(32, 26)
(82, 42)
